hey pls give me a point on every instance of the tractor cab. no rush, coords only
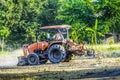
(55, 47)
(54, 33)
(50, 47)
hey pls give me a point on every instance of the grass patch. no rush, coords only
(105, 47)
(111, 55)
(106, 50)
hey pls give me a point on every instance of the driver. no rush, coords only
(57, 36)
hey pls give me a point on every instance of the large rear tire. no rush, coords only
(56, 53)
(33, 59)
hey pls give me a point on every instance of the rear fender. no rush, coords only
(56, 42)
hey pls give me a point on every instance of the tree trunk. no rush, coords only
(2, 45)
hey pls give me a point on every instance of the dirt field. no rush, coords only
(83, 68)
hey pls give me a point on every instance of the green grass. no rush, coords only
(110, 55)
(106, 50)
(105, 47)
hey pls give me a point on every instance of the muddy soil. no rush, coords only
(82, 68)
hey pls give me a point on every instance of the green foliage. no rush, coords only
(81, 14)
(89, 19)
(23, 17)
(95, 32)
(49, 12)
(111, 14)
(4, 32)
(78, 32)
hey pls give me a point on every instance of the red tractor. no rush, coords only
(58, 48)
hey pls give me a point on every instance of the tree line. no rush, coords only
(90, 19)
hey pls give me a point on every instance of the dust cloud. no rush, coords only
(10, 59)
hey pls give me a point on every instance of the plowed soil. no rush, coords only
(80, 68)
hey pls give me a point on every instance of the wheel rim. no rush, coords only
(32, 59)
(91, 53)
(56, 54)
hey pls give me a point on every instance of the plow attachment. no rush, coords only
(80, 50)
(22, 61)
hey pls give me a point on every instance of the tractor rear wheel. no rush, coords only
(33, 59)
(56, 53)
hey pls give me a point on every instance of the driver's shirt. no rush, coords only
(57, 36)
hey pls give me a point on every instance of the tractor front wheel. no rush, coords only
(33, 59)
(56, 53)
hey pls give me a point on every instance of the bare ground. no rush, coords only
(83, 68)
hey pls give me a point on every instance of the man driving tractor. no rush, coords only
(60, 49)
(57, 36)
